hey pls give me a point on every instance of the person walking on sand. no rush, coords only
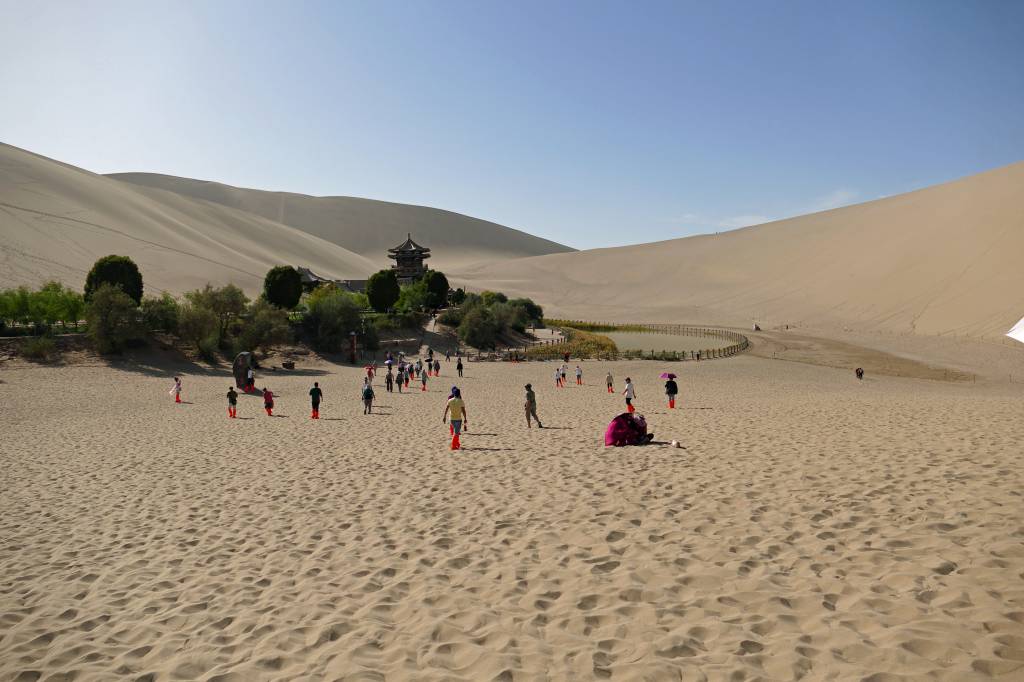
(457, 409)
(232, 402)
(405, 376)
(671, 390)
(423, 380)
(558, 377)
(458, 366)
(437, 368)
(250, 380)
(531, 407)
(609, 382)
(367, 398)
(448, 355)
(315, 396)
(630, 393)
(389, 381)
(268, 401)
(579, 376)
(176, 389)
(565, 371)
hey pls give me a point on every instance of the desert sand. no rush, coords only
(812, 527)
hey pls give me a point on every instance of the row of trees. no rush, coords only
(385, 294)
(483, 318)
(41, 308)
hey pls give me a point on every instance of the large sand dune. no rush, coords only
(56, 220)
(366, 226)
(946, 259)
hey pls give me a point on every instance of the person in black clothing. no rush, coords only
(671, 390)
(232, 402)
(315, 396)
(458, 366)
(389, 381)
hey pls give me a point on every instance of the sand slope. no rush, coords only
(56, 220)
(366, 226)
(819, 528)
(946, 259)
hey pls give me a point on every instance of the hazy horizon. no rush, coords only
(588, 125)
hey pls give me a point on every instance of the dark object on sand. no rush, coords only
(627, 429)
(243, 361)
(860, 372)
(288, 364)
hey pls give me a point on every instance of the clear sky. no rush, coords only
(590, 123)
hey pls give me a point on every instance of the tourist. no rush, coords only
(315, 396)
(558, 377)
(437, 368)
(232, 402)
(531, 407)
(406, 376)
(457, 408)
(423, 380)
(579, 376)
(389, 381)
(268, 401)
(671, 390)
(367, 398)
(250, 380)
(176, 389)
(630, 393)
(860, 373)
(448, 355)
(458, 366)
(610, 382)
(564, 370)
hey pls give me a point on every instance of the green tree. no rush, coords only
(413, 297)
(382, 290)
(197, 325)
(6, 306)
(113, 318)
(265, 325)
(160, 313)
(227, 303)
(117, 270)
(332, 315)
(283, 287)
(73, 307)
(437, 288)
(458, 296)
(479, 328)
(534, 313)
(489, 298)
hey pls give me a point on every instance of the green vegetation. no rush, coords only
(113, 319)
(265, 325)
(160, 314)
(595, 326)
(578, 343)
(51, 303)
(483, 318)
(119, 271)
(437, 288)
(227, 303)
(382, 290)
(332, 315)
(38, 348)
(282, 287)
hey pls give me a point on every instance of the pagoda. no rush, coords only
(409, 257)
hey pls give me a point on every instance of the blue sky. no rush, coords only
(590, 123)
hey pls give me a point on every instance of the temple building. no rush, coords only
(409, 257)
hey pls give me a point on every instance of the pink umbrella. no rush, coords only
(668, 375)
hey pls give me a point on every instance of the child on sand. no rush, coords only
(176, 389)
(558, 377)
(458, 366)
(630, 394)
(315, 395)
(458, 411)
(579, 376)
(609, 381)
(671, 390)
(268, 401)
(367, 398)
(232, 402)
(423, 380)
(531, 407)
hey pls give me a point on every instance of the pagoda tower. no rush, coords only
(409, 257)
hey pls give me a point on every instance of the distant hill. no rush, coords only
(366, 226)
(942, 260)
(56, 220)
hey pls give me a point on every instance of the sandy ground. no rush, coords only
(813, 527)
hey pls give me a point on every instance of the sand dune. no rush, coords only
(56, 220)
(823, 529)
(940, 260)
(366, 226)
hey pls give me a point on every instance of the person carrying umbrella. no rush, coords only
(671, 389)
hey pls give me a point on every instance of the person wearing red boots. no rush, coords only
(609, 382)
(630, 393)
(176, 389)
(268, 401)
(315, 396)
(368, 397)
(671, 390)
(232, 402)
(457, 408)
(579, 375)
(423, 379)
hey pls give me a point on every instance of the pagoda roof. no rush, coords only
(409, 246)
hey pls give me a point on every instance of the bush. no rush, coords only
(369, 338)
(38, 348)
(333, 315)
(119, 271)
(412, 298)
(479, 328)
(508, 316)
(282, 287)
(265, 325)
(534, 313)
(226, 303)
(197, 324)
(437, 288)
(458, 296)
(451, 317)
(160, 313)
(208, 348)
(579, 344)
(113, 318)
(382, 290)
(489, 298)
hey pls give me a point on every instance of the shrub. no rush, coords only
(197, 324)
(534, 313)
(160, 313)
(113, 318)
(282, 287)
(479, 328)
(578, 343)
(265, 325)
(382, 290)
(458, 296)
(369, 338)
(119, 271)
(226, 303)
(38, 348)
(437, 288)
(208, 348)
(333, 315)
(489, 298)
(451, 317)
(412, 298)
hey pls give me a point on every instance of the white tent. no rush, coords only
(1017, 332)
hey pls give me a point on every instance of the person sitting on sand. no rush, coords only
(367, 398)
(268, 401)
(630, 393)
(315, 396)
(176, 389)
(457, 408)
(531, 407)
(232, 402)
